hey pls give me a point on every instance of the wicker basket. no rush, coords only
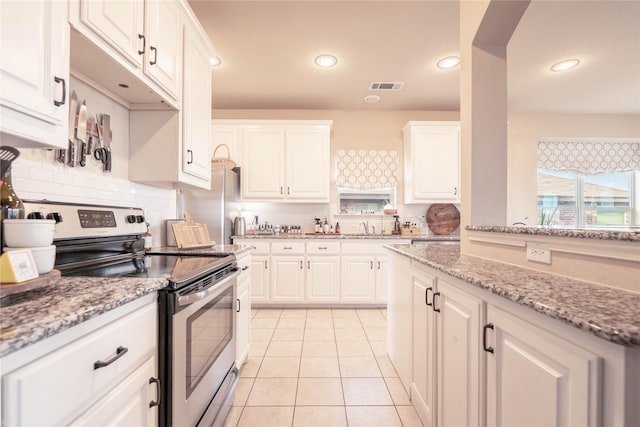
(226, 161)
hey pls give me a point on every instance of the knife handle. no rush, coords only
(83, 154)
(72, 154)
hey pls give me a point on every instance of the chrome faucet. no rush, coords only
(365, 224)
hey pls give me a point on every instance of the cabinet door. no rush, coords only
(34, 72)
(307, 160)
(424, 383)
(358, 279)
(263, 169)
(382, 278)
(128, 403)
(243, 324)
(163, 57)
(287, 278)
(399, 318)
(196, 105)
(458, 325)
(119, 23)
(537, 379)
(259, 278)
(432, 163)
(229, 136)
(323, 279)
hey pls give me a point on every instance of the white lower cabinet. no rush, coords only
(287, 278)
(458, 324)
(535, 376)
(243, 309)
(358, 278)
(477, 359)
(128, 404)
(104, 376)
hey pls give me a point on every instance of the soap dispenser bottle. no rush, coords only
(325, 226)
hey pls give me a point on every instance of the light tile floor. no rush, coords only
(320, 368)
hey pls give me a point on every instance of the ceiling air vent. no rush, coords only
(393, 86)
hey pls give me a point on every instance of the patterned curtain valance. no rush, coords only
(367, 169)
(589, 156)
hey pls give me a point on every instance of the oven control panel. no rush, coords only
(78, 220)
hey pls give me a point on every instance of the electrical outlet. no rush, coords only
(538, 253)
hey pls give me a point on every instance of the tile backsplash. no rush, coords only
(35, 176)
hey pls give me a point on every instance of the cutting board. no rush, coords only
(190, 234)
(443, 218)
(39, 282)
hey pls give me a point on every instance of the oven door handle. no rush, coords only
(189, 299)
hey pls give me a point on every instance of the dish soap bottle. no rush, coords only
(337, 228)
(325, 226)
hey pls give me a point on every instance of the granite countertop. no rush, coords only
(31, 316)
(601, 233)
(309, 236)
(608, 313)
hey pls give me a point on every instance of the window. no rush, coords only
(572, 199)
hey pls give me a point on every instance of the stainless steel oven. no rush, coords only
(197, 351)
(196, 333)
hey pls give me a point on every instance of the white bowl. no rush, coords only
(28, 233)
(44, 256)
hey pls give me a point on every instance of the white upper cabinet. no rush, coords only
(136, 43)
(119, 23)
(432, 162)
(164, 46)
(263, 169)
(168, 147)
(196, 107)
(285, 161)
(34, 73)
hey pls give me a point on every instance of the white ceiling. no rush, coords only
(267, 50)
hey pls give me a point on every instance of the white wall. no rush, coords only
(37, 175)
(524, 130)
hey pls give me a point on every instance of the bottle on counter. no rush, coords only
(317, 225)
(148, 238)
(396, 225)
(337, 228)
(12, 206)
(325, 226)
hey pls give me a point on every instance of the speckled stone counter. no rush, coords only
(32, 316)
(610, 233)
(611, 314)
(391, 237)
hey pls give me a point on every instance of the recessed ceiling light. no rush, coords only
(326, 61)
(215, 61)
(449, 62)
(565, 65)
(372, 99)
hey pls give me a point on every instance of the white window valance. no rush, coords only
(367, 169)
(589, 156)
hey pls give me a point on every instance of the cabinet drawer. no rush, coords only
(286, 248)
(323, 248)
(56, 388)
(257, 247)
(365, 247)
